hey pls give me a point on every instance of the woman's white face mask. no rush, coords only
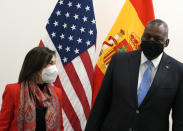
(49, 74)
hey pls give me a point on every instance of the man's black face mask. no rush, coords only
(151, 49)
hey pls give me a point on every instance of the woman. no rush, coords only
(33, 103)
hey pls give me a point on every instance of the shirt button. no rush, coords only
(130, 129)
(137, 111)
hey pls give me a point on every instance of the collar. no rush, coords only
(155, 61)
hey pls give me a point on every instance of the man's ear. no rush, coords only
(167, 42)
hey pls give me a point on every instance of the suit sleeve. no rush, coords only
(177, 110)
(102, 102)
(7, 108)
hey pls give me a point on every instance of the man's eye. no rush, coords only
(158, 39)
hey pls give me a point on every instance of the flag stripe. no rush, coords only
(98, 77)
(68, 109)
(88, 65)
(68, 126)
(82, 74)
(70, 113)
(91, 52)
(144, 14)
(72, 98)
(78, 87)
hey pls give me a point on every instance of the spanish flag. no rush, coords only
(124, 36)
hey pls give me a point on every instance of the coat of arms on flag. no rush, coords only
(118, 43)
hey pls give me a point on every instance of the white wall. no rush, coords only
(22, 23)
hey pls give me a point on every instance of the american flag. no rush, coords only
(71, 31)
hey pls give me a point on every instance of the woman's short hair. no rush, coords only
(34, 61)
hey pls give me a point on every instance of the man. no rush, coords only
(140, 88)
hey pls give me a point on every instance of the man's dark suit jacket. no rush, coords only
(115, 108)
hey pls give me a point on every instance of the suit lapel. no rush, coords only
(131, 91)
(163, 68)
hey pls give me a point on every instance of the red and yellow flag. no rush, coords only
(124, 36)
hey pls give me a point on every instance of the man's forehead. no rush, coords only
(156, 28)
